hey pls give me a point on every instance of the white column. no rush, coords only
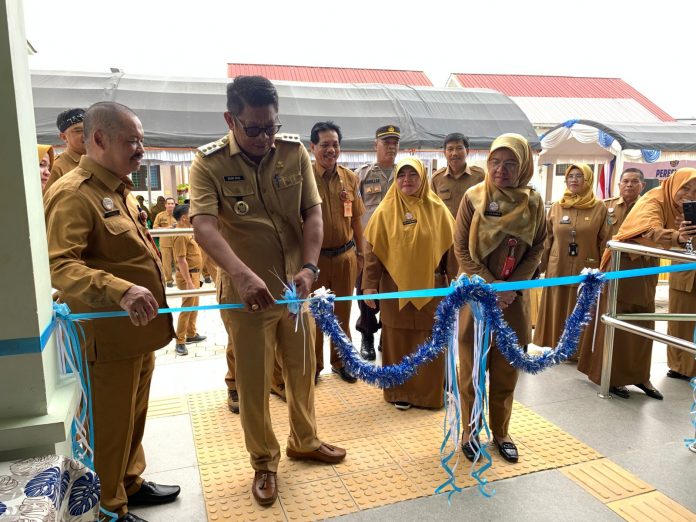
(36, 403)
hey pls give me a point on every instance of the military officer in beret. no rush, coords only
(71, 128)
(101, 258)
(256, 211)
(451, 182)
(375, 178)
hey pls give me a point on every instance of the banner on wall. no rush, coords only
(660, 170)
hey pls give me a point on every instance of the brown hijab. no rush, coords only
(586, 197)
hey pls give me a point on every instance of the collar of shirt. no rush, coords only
(321, 171)
(106, 177)
(466, 171)
(73, 155)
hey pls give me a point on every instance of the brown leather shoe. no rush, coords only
(265, 487)
(324, 453)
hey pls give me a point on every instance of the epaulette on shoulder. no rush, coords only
(213, 146)
(286, 137)
(439, 171)
(74, 178)
(609, 200)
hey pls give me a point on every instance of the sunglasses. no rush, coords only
(253, 131)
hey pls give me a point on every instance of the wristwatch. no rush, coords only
(313, 268)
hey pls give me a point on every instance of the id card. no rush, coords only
(347, 208)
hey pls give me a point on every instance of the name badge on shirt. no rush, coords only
(347, 208)
(112, 213)
(565, 220)
(409, 219)
(493, 210)
(233, 178)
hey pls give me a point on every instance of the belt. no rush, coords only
(333, 252)
(194, 270)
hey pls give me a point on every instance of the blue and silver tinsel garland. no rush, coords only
(464, 290)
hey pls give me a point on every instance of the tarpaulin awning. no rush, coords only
(187, 112)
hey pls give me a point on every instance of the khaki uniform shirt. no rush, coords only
(451, 188)
(186, 246)
(591, 235)
(518, 314)
(337, 214)
(97, 254)
(259, 207)
(617, 210)
(374, 183)
(164, 220)
(62, 165)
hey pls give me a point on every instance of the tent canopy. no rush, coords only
(187, 112)
(587, 141)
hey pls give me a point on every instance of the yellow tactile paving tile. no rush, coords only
(392, 455)
(606, 481)
(243, 508)
(381, 486)
(317, 500)
(651, 507)
(167, 406)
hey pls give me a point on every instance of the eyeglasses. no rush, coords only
(509, 166)
(407, 175)
(575, 176)
(253, 131)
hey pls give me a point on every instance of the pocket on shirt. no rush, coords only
(117, 225)
(288, 181)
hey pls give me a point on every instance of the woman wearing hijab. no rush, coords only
(499, 236)
(46, 157)
(577, 232)
(656, 221)
(407, 241)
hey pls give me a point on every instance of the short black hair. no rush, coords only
(322, 126)
(168, 198)
(635, 171)
(105, 116)
(456, 136)
(180, 211)
(255, 91)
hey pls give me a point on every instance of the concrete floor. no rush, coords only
(642, 435)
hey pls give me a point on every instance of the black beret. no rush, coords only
(67, 119)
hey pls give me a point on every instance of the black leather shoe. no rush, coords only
(233, 401)
(676, 375)
(367, 350)
(181, 349)
(507, 450)
(620, 391)
(469, 450)
(196, 339)
(130, 517)
(208, 279)
(379, 346)
(150, 494)
(650, 392)
(343, 373)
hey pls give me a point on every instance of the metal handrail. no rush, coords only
(612, 321)
(190, 293)
(157, 232)
(633, 248)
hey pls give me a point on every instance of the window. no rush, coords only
(139, 178)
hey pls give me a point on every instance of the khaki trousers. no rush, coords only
(230, 377)
(337, 273)
(120, 391)
(259, 338)
(186, 325)
(167, 262)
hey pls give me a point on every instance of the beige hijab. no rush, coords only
(513, 203)
(410, 234)
(586, 197)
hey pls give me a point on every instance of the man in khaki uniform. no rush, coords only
(71, 127)
(375, 179)
(102, 258)
(341, 254)
(256, 211)
(631, 185)
(451, 182)
(189, 260)
(165, 219)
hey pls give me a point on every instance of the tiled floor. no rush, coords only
(393, 467)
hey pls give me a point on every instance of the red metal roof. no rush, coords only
(301, 73)
(559, 87)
